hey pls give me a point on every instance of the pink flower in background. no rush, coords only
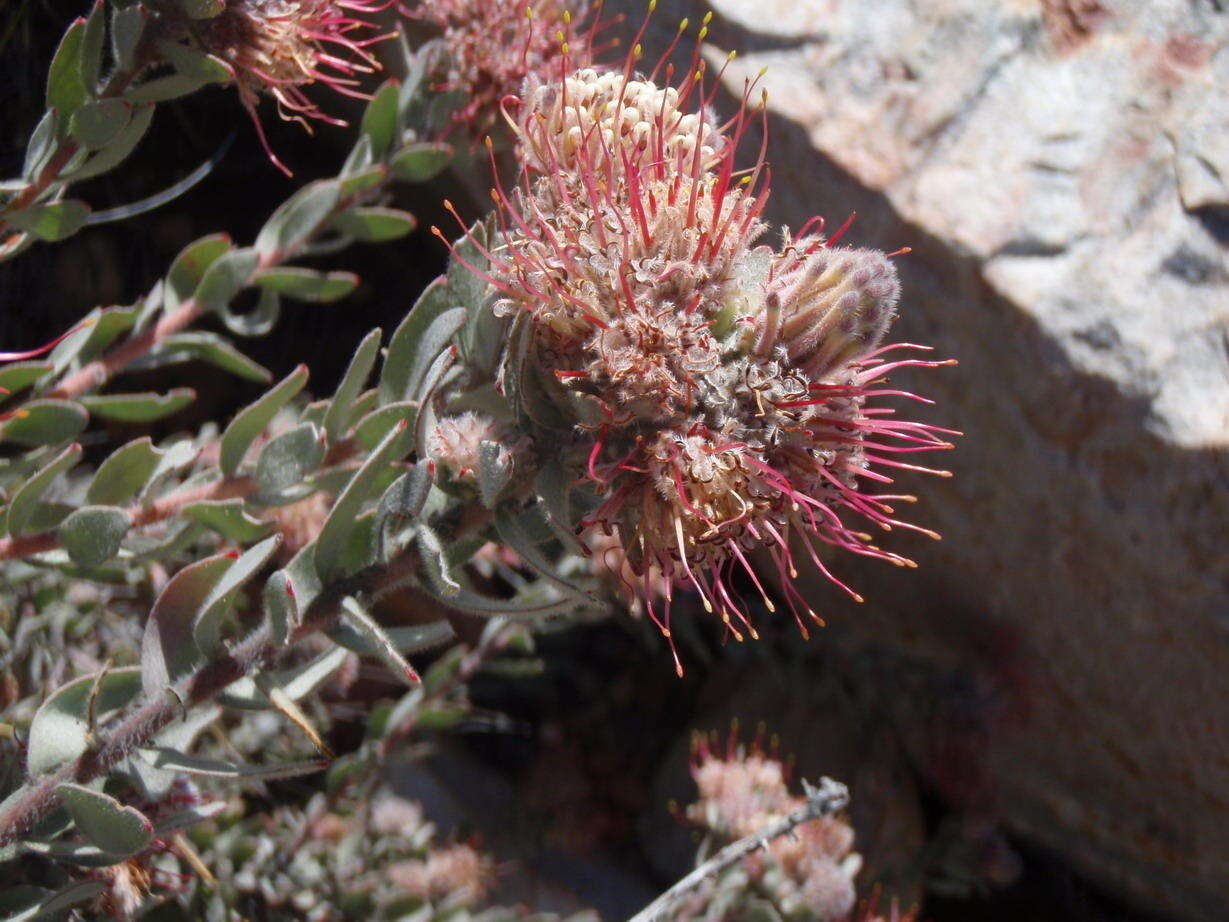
(277, 47)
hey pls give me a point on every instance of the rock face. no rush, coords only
(1061, 169)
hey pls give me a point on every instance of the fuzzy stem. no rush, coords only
(39, 797)
(101, 370)
(116, 85)
(825, 800)
(18, 546)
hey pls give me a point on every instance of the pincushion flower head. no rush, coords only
(277, 47)
(717, 396)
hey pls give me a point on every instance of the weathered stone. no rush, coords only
(1060, 170)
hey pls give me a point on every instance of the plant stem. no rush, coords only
(39, 796)
(18, 546)
(101, 370)
(825, 800)
(117, 84)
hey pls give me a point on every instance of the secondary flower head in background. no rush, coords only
(717, 395)
(492, 47)
(277, 47)
(810, 873)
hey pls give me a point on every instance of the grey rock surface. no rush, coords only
(1061, 169)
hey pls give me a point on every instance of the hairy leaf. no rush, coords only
(207, 627)
(375, 224)
(252, 420)
(421, 161)
(306, 284)
(225, 278)
(122, 475)
(138, 408)
(51, 222)
(127, 26)
(24, 504)
(190, 266)
(118, 149)
(54, 905)
(380, 118)
(18, 375)
(207, 347)
(356, 617)
(337, 419)
(425, 332)
(411, 639)
(287, 459)
(228, 518)
(112, 826)
(96, 124)
(298, 218)
(59, 731)
(342, 518)
(216, 768)
(162, 89)
(168, 650)
(65, 88)
(92, 534)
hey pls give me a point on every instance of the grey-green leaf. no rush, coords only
(355, 616)
(281, 608)
(65, 88)
(91, 47)
(127, 25)
(337, 419)
(375, 224)
(422, 335)
(115, 828)
(124, 473)
(118, 150)
(92, 534)
(216, 768)
(138, 408)
(190, 266)
(298, 218)
(96, 124)
(225, 278)
(228, 518)
(195, 64)
(18, 375)
(26, 499)
(51, 222)
(45, 422)
(58, 732)
(376, 424)
(335, 533)
(380, 118)
(54, 905)
(161, 89)
(467, 287)
(409, 639)
(494, 472)
(168, 650)
(207, 347)
(306, 284)
(420, 162)
(296, 683)
(252, 420)
(287, 459)
(207, 628)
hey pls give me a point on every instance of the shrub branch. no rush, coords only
(828, 798)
